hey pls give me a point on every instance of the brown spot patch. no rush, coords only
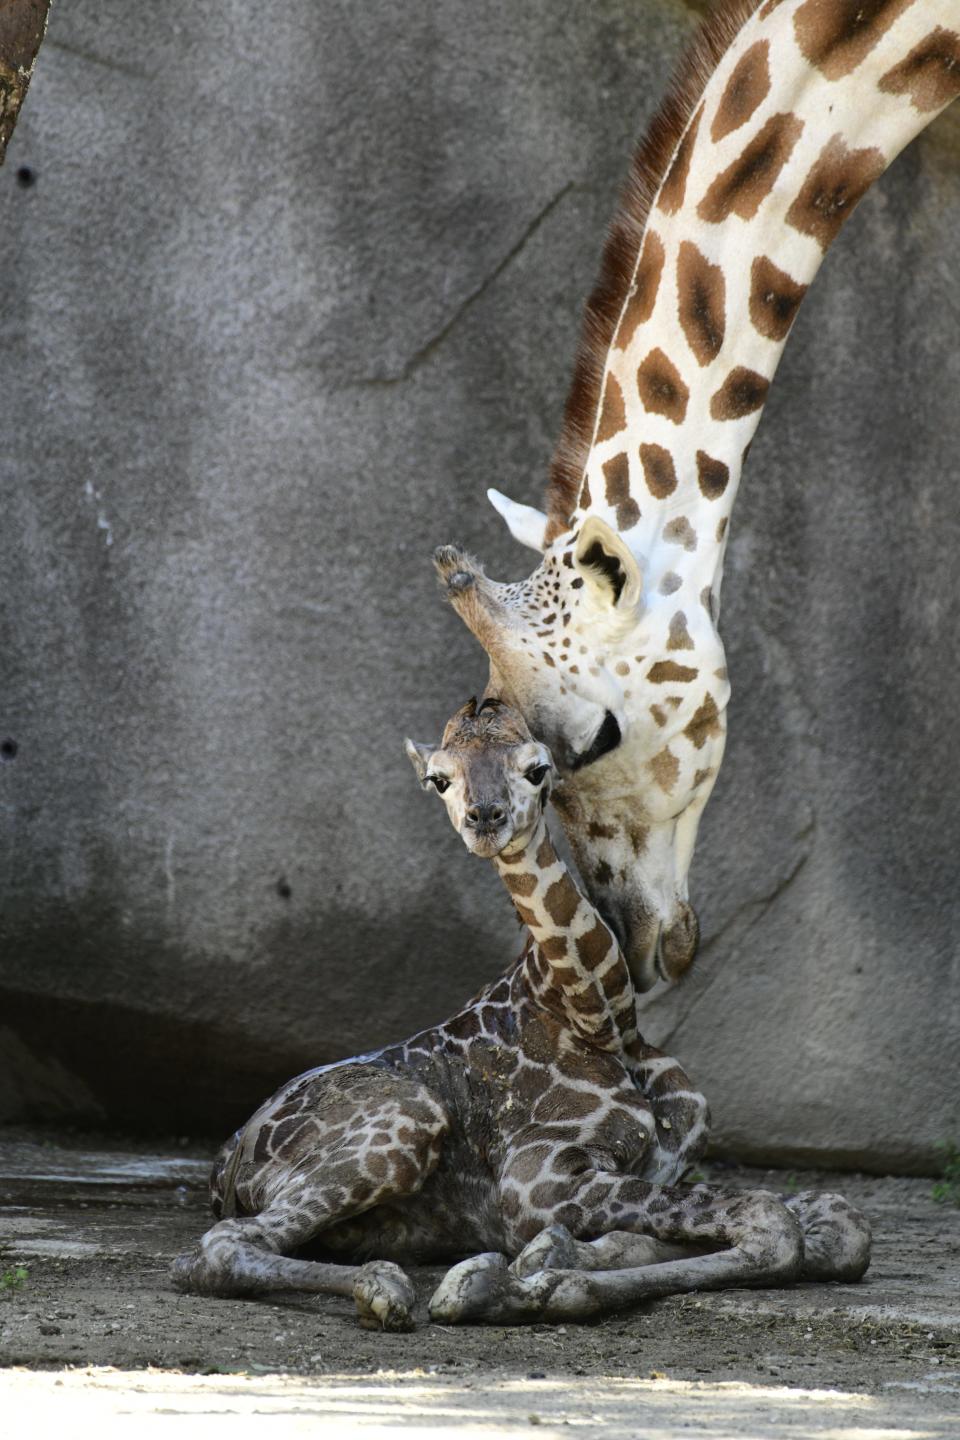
(538, 1041)
(705, 723)
(646, 283)
(747, 87)
(658, 470)
(836, 35)
(376, 1165)
(602, 873)
(774, 298)
(665, 768)
(680, 532)
(616, 474)
(674, 187)
(463, 1027)
(598, 831)
(701, 302)
(658, 715)
(930, 74)
(561, 901)
(670, 582)
(742, 392)
(546, 853)
(594, 947)
(548, 1194)
(666, 670)
(838, 180)
(527, 1164)
(712, 475)
(613, 417)
(679, 635)
(563, 1103)
(742, 188)
(700, 776)
(661, 387)
(520, 884)
(722, 528)
(638, 835)
(554, 947)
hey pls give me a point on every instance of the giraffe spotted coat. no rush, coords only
(782, 116)
(533, 1126)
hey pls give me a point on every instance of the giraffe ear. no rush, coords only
(419, 757)
(607, 564)
(525, 523)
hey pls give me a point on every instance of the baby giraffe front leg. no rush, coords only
(755, 1240)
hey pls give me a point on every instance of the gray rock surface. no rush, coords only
(291, 286)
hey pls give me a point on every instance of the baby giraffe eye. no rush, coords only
(439, 782)
(536, 773)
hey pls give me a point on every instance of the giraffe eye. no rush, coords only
(536, 774)
(439, 783)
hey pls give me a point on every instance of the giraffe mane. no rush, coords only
(651, 161)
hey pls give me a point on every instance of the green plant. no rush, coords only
(947, 1190)
(13, 1278)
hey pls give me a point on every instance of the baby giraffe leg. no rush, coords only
(836, 1236)
(556, 1249)
(757, 1242)
(240, 1257)
(334, 1146)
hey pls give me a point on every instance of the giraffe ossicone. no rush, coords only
(526, 523)
(778, 122)
(533, 1137)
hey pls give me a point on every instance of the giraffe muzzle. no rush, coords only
(485, 828)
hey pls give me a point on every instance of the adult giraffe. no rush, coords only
(779, 119)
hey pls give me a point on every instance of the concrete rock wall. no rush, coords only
(290, 286)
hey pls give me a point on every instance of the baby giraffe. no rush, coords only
(534, 1132)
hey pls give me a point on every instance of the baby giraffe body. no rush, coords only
(533, 1127)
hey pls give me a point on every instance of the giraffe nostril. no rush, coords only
(488, 814)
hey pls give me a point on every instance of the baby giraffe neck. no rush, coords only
(574, 967)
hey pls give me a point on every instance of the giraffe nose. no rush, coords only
(488, 814)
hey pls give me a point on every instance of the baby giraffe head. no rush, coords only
(493, 776)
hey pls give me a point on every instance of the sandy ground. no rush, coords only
(95, 1335)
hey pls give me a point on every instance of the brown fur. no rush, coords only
(651, 163)
(930, 74)
(490, 723)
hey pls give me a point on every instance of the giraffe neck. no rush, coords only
(574, 967)
(807, 106)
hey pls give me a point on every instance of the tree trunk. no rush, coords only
(23, 24)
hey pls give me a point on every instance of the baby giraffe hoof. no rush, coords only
(384, 1297)
(553, 1249)
(485, 1291)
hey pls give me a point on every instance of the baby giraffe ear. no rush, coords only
(608, 566)
(419, 757)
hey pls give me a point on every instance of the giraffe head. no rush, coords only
(493, 776)
(627, 688)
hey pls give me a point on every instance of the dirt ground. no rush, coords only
(95, 1226)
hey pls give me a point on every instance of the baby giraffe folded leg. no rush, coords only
(758, 1242)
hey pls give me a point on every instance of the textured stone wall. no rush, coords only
(290, 286)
